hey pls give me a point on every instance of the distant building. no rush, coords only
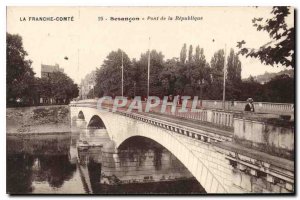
(87, 84)
(47, 70)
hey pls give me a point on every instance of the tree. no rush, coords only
(217, 66)
(109, 76)
(44, 88)
(167, 76)
(199, 73)
(156, 67)
(62, 87)
(279, 89)
(190, 59)
(251, 88)
(183, 54)
(280, 49)
(197, 54)
(19, 74)
(233, 79)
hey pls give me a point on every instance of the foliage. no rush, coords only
(217, 72)
(234, 69)
(19, 74)
(21, 84)
(190, 59)
(280, 89)
(175, 76)
(109, 76)
(168, 76)
(281, 47)
(251, 88)
(183, 54)
(63, 87)
(58, 86)
(140, 76)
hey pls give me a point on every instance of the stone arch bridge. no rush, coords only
(205, 151)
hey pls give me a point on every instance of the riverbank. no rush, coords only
(38, 119)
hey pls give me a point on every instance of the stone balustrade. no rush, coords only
(211, 111)
(263, 107)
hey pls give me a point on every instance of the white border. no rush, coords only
(4, 3)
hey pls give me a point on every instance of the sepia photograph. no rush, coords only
(150, 100)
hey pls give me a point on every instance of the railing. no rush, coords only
(217, 117)
(264, 107)
(213, 117)
(222, 118)
(209, 110)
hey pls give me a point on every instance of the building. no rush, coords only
(47, 70)
(87, 84)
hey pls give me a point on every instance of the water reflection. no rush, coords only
(87, 162)
(37, 165)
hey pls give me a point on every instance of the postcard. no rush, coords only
(150, 100)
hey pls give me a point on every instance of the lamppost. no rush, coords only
(94, 91)
(148, 88)
(200, 85)
(134, 84)
(224, 78)
(122, 76)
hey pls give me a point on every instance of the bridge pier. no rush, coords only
(81, 123)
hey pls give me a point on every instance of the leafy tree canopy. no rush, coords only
(281, 47)
(19, 74)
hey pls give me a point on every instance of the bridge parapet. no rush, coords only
(263, 107)
(217, 117)
(268, 134)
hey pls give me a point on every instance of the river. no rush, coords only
(86, 162)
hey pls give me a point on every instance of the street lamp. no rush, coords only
(94, 91)
(200, 85)
(134, 84)
(148, 88)
(224, 78)
(122, 75)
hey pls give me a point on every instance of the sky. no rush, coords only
(86, 41)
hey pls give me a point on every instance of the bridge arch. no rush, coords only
(199, 169)
(146, 143)
(96, 122)
(81, 115)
